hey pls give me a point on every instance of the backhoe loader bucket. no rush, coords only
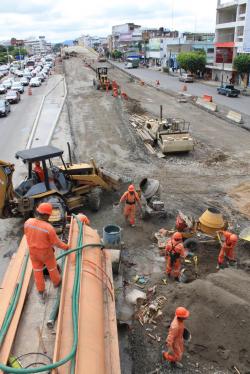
(6, 188)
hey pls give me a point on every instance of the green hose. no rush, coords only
(75, 305)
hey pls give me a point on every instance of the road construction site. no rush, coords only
(214, 175)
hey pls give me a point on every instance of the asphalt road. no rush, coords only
(240, 104)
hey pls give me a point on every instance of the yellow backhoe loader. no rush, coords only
(66, 186)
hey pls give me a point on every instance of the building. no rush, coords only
(232, 36)
(125, 37)
(37, 46)
(16, 42)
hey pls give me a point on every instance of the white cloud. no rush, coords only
(66, 19)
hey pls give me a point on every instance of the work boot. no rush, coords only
(42, 296)
(133, 225)
(177, 279)
(177, 365)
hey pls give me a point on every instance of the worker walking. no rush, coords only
(175, 341)
(130, 198)
(174, 252)
(227, 249)
(41, 238)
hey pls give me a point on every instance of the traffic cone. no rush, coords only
(184, 88)
(157, 82)
(29, 91)
(124, 95)
(141, 83)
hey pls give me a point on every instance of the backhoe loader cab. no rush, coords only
(101, 81)
(66, 186)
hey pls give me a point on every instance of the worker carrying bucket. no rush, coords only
(41, 239)
(175, 339)
(130, 198)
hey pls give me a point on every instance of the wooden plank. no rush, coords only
(12, 277)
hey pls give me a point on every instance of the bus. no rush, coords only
(131, 63)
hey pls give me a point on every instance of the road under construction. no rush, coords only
(93, 301)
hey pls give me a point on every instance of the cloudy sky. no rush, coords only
(59, 20)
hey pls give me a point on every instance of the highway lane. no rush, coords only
(240, 104)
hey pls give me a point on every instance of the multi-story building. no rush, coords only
(126, 36)
(37, 46)
(232, 36)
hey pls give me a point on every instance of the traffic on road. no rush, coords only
(15, 76)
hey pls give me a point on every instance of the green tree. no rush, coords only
(116, 54)
(57, 47)
(193, 62)
(242, 64)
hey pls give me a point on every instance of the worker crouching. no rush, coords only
(175, 340)
(41, 238)
(130, 198)
(227, 251)
(174, 253)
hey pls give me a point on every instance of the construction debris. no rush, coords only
(134, 295)
(151, 311)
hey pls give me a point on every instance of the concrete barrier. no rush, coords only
(207, 105)
(235, 116)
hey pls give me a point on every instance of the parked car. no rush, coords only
(35, 82)
(187, 78)
(18, 73)
(228, 90)
(17, 86)
(27, 75)
(13, 97)
(4, 108)
(40, 76)
(8, 83)
(3, 89)
(24, 81)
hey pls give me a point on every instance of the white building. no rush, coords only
(37, 46)
(232, 36)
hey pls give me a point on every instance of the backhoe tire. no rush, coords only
(94, 199)
(192, 244)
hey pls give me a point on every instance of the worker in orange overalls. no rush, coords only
(130, 198)
(174, 252)
(227, 248)
(41, 238)
(174, 341)
(39, 171)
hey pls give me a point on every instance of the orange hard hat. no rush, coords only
(45, 208)
(177, 236)
(182, 312)
(37, 163)
(233, 238)
(131, 188)
(83, 218)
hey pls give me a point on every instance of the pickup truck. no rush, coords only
(228, 90)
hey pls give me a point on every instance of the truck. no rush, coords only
(228, 90)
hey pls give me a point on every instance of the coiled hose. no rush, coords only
(75, 303)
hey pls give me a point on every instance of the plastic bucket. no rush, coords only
(111, 235)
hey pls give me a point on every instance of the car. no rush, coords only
(228, 90)
(4, 108)
(13, 97)
(17, 86)
(3, 89)
(18, 73)
(40, 76)
(24, 81)
(27, 75)
(7, 83)
(187, 78)
(35, 82)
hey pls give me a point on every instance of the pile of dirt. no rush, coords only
(217, 156)
(134, 106)
(241, 197)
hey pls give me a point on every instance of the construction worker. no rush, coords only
(41, 238)
(39, 171)
(130, 198)
(174, 252)
(227, 248)
(174, 341)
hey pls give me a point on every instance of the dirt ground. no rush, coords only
(211, 176)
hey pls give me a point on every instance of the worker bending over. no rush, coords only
(41, 238)
(175, 341)
(39, 171)
(174, 252)
(227, 249)
(130, 198)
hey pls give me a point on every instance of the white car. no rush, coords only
(35, 82)
(24, 81)
(18, 73)
(8, 83)
(187, 78)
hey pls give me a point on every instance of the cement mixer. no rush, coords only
(150, 198)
